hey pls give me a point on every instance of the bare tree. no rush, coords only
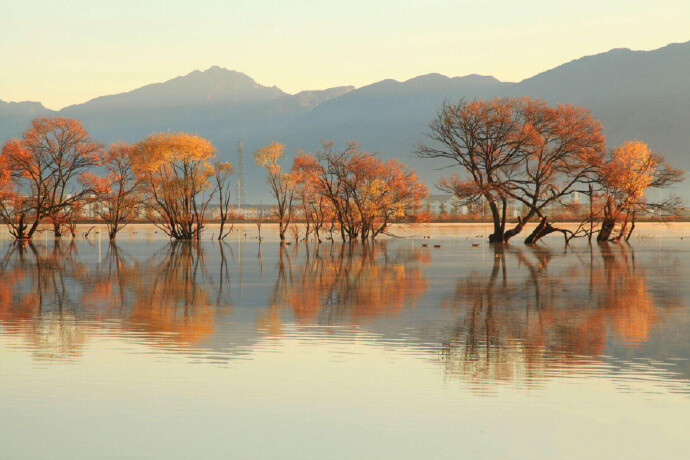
(222, 174)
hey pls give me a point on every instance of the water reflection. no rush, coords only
(525, 321)
(522, 316)
(37, 299)
(53, 299)
(301, 346)
(344, 284)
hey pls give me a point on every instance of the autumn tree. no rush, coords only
(362, 192)
(313, 205)
(41, 173)
(396, 193)
(176, 170)
(564, 150)
(117, 194)
(486, 139)
(631, 170)
(515, 150)
(326, 171)
(279, 182)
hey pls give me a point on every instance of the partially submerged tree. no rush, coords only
(222, 173)
(631, 170)
(118, 193)
(361, 192)
(260, 219)
(280, 183)
(486, 139)
(308, 199)
(41, 173)
(175, 171)
(565, 150)
(515, 150)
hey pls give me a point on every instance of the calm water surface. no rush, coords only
(391, 350)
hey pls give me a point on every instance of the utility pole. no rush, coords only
(241, 190)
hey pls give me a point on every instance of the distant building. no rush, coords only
(246, 211)
(444, 204)
(449, 204)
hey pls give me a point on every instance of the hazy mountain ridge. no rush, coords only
(15, 116)
(643, 94)
(212, 86)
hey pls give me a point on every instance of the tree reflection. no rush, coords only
(531, 313)
(348, 283)
(38, 297)
(540, 320)
(50, 298)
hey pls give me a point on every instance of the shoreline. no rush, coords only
(269, 231)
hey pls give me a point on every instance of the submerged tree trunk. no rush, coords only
(517, 229)
(607, 226)
(499, 225)
(632, 227)
(542, 229)
(57, 230)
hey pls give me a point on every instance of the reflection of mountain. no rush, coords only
(636, 94)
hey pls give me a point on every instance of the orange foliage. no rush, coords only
(515, 149)
(363, 193)
(567, 325)
(40, 173)
(118, 192)
(281, 184)
(175, 172)
(355, 284)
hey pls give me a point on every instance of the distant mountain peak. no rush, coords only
(312, 98)
(26, 105)
(215, 85)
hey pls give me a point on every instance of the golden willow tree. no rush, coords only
(279, 182)
(176, 171)
(624, 178)
(39, 175)
(516, 150)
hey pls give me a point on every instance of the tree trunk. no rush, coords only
(519, 226)
(591, 215)
(606, 229)
(57, 229)
(543, 228)
(632, 227)
(497, 235)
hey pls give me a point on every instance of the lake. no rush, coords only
(386, 350)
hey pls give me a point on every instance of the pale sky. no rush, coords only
(66, 52)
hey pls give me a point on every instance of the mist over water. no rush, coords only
(248, 350)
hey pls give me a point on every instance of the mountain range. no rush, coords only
(635, 94)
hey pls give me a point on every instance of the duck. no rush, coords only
(474, 245)
(437, 245)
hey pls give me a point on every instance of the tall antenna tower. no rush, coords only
(241, 191)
